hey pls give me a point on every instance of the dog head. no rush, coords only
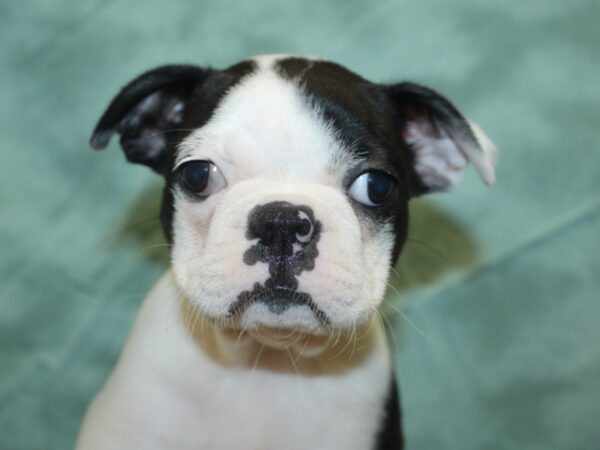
(288, 181)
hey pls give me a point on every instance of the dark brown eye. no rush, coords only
(201, 178)
(372, 188)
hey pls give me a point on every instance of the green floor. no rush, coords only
(500, 346)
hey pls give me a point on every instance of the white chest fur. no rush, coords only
(182, 387)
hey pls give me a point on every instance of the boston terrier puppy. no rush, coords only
(287, 182)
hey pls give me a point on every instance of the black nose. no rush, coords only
(280, 225)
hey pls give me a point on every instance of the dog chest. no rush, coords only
(269, 412)
(168, 392)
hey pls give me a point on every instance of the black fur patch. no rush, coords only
(205, 99)
(390, 435)
(277, 300)
(281, 228)
(366, 124)
(157, 110)
(371, 120)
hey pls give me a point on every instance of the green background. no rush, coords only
(500, 285)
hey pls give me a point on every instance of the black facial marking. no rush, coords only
(206, 99)
(367, 125)
(277, 300)
(287, 241)
(157, 110)
(372, 121)
(147, 110)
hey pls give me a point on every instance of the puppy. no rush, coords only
(287, 181)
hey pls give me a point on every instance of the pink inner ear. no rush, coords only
(438, 160)
(440, 157)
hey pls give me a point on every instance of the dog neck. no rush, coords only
(280, 350)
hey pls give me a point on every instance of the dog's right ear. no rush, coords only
(147, 111)
(442, 141)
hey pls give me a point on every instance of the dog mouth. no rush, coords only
(278, 300)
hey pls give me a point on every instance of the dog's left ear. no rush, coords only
(146, 113)
(441, 139)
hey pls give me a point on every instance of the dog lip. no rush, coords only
(277, 299)
(283, 291)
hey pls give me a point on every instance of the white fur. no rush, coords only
(272, 146)
(182, 384)
(440, 160)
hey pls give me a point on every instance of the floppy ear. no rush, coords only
(441, 139)
(147, 112)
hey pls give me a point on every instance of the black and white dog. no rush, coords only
(286, 202)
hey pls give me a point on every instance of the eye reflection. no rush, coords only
(200, 178)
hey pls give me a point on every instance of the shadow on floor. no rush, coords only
(437, 244)
(142, 226)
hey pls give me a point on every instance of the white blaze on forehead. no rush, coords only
(269, 60)
(264, 127)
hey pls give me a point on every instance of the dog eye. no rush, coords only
(372, 188)
(201, 178)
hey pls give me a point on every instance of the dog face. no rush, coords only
(288, 181)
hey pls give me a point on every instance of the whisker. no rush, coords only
(428, 247)
(406, 318)
(125, 228)
(159, 132)
(240, 334)
(301, 352)
(133, 295)
(395, 272)
(337, 339)
(197, 314)
(386, 324)
(354, 338)
(345, 346)
(203, 322)
(257, 359)
(148, 247)
(292, 361)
